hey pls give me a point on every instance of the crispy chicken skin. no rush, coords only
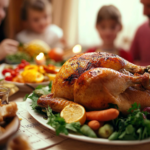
(96, 79)
(57, 104)
(98, 87)
(63, 85)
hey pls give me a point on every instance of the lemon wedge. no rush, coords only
(32, 76)
(31, 67)
(74, 113)
(51, 76)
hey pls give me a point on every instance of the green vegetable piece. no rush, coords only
(145, 133)
(56, 122)
(129, 129)
(86, 130)
(75, 126)
(128, 137)
(41, 92)
(140, 131)
(105, 131)
(26, 96)
(122, 135)
(60, 126)
(114, 136)
(39, 87)
(50, 86)
(34, 99)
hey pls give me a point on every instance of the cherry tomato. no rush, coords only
(24, 62)
(16, 70)
(13, 73)
(21, 66)
(56, 54)
(8, 78)
(6, 70)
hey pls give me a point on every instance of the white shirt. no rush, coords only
(51, 36)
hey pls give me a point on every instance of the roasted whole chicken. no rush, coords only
(96, 79)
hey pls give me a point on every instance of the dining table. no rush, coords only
(71, 144)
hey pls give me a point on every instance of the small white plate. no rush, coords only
(40, 119)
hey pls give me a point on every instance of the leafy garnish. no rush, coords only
(75, 126)
(25, 97)
(42, 91)
(39, 87)
(34, 99)
(39, 91)
(134, 107)
(60, 124)
(50, 86)
(134, 126)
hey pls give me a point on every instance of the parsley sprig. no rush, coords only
(132, 127)
(59, 123)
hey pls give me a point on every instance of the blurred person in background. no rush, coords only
(37, 17)
(7, 46)
(108, 25)
(140, 47)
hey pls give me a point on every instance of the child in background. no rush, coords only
(36, 15)
(108, 25)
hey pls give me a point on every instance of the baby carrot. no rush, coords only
(103, 115)
(95, 125)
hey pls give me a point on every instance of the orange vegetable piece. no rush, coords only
(103, 115)
(18, 78)
(95, 125)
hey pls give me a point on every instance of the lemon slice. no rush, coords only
(29, 76)
(39, 77)
(32, 76)
(31, 67)
(51, 76)
(74, 113)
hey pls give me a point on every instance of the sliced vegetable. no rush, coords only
(8, 78)
(74, 113)
(13, 73)
(50, 69)
(6, 70)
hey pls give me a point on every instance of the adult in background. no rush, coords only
(140, 47)
(7, 46)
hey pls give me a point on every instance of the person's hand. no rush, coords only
(7, 47)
